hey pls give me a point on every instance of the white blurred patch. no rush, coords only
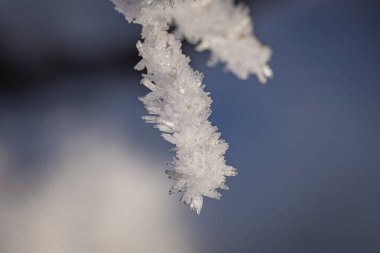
(99, 197)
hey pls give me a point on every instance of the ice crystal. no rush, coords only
(177, 104)
(226, 30)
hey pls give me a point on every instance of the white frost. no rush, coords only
(178, 105)
(226, 30)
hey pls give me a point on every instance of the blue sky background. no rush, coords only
(307, 144)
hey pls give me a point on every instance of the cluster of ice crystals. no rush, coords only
(226, 30)
(177, 104)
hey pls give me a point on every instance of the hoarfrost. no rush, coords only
(177, 104)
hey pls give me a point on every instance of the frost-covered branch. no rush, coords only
(226, 30)
(178, 105)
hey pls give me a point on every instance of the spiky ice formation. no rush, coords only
(227, 31)
(178, 105)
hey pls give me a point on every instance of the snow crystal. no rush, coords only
(226, 30)
(177, 104)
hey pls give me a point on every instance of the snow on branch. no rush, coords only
(177, 104)
(226, 30)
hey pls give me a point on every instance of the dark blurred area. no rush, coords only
(306, 145)
(47, 40)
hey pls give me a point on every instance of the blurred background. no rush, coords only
(81, 172)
